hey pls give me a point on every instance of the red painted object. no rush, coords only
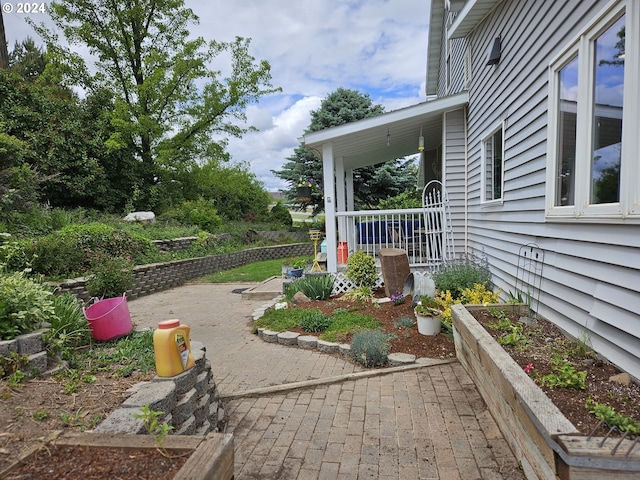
(343, 252)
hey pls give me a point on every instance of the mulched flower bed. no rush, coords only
(544, 342)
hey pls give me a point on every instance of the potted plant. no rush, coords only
(428, 315)
(297, 267)
(305, 189)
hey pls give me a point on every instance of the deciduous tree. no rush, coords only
(169, 101)
(371, 184)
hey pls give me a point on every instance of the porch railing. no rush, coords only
(418, 231)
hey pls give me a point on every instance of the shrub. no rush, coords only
(370, 348)
(361, 269)
(315, 322)
(71, 251)
(111, 277)
(463, 273)
(280, 215)
(199, 212)
(478, 295)
(24, 304)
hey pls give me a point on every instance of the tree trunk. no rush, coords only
(4, 51)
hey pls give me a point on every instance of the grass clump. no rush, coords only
(69, 328)
(282, 319)
(121, 357)
(339, 326)
(315, 322)
(315, 287)
(346, 323)
(253, 272)
(370, 348)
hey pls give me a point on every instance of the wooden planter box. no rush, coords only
(545, 442)
(212, 456)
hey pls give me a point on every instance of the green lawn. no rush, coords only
(254, 272)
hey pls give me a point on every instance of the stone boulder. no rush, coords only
(145, 218)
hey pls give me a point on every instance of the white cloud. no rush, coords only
(377, 47)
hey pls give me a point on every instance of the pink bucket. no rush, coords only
(109, 318)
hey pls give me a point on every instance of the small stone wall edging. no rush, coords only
(190, 402)
(311, 342)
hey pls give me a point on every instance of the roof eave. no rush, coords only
(473, 13)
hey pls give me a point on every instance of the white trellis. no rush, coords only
(342, 284)
(438, 226)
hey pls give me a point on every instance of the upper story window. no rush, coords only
(493, 155)
(593, 134)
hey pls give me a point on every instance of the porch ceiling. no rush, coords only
(364, 142)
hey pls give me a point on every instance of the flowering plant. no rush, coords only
(308, 182)
(397, 298)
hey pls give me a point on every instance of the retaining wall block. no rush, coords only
(183, 382)
(185, 407)
(122, 421)
(186, 428)
(30, 343)
(7, 347)
(158, 395)
(202, 409)
(38, 362)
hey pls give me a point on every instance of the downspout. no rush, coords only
(466, 180)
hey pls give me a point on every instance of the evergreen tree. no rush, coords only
(371, 184)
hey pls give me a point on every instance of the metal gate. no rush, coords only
(438, 227)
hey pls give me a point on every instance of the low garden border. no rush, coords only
(157, 277)
(540, 436)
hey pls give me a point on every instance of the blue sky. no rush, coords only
(376, 47)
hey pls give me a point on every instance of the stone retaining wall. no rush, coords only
(156, 277)
(190, 401)
(30, 345)
(183, 243)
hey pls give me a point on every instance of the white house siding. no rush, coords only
(456, 49)
(590, 284)
(454, 151)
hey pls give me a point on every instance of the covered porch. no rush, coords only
(417, 130)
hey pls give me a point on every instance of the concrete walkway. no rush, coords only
(298, 413)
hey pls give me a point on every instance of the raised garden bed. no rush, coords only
(546, 443)
(89, 456)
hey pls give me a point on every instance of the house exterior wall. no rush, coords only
(589, 284)
(451, 79)
(454, 174)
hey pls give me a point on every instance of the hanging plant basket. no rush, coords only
(304, 194)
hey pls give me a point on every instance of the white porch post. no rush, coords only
(341, 201)
(349, 183)
(328, 177)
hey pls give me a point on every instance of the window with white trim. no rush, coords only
(493, 155)
(593, 106)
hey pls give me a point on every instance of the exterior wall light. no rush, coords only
(494, 55)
